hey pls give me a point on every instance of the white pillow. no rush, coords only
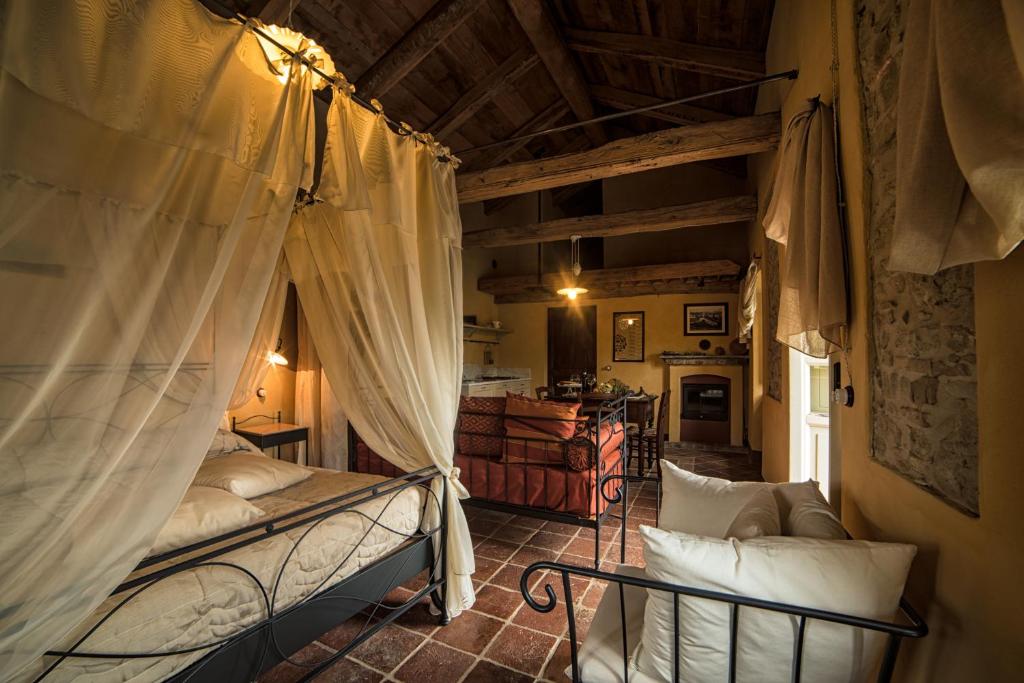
(809, 514)
(248, 476)
(204, 512)
(759, 517)
(851, 577)
(226, 442)
(701, 505)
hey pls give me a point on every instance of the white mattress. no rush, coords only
(211, 603)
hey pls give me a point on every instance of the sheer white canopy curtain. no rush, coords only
(148, 168)
(378, 268)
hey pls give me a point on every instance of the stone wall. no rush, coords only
(923, 377)
(773, 369)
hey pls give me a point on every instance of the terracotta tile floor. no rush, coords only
(501, 639)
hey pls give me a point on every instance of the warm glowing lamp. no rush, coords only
(575, 290)
(276, 359)
(280, 62)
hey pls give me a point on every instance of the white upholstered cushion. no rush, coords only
(248, 476)
(204, 512)
(851, 577)
(809, 515)
(759, 517)
(701, 505)
(600, 656)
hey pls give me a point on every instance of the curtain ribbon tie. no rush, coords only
(457, 487)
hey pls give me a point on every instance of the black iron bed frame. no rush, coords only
(282, 632)
(915, 627)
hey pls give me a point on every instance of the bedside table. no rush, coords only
(272, 435)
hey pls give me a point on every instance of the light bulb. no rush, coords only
(276, 358)
(571, 293)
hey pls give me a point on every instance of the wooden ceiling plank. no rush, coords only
(565, 72)
(429, 32)
(607, 282)
(679, 114)
(713, 61)
(546, 118)
(276, 11)
(483, 92)
(710, 212)
(685, 144)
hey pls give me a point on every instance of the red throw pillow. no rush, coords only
(557, 420)
(481, 426)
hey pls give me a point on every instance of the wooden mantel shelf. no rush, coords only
(695, 359)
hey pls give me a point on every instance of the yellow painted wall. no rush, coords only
(966, 576)
(663, 322)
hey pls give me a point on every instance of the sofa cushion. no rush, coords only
(850, 577)
(701, 505)
(554, 420)
(759, 517)
(809, 515)
(481, 426)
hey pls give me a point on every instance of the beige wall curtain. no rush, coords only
(960, 135)
(318, 408)
(264, 340)
(748, 302)
(378, 268)
(803, 217)
(143, 203)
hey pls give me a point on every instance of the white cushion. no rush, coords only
(759, 517)
(810, 515)
(204, 512)
(850, 577)
(226, 442)
(248, 476)
(600, 656)
(701, 505)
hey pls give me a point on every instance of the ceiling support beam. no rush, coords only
(711, 212)
(429, 32)
(679, 114)
(672, 278)
(483, 92)
(540, 28)
(715, 61)
(686, 144)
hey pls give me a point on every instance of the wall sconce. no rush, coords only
(275, 356)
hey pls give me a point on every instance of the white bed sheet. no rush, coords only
(212, 603)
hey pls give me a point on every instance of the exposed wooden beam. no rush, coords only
(483, 92)
(540, 28)
(429, 32)
(679, 114)
(578, 143)
(682, 145)
(716, 61)
(711, 212)
(673, 278)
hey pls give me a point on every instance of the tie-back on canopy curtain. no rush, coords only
(378, 268)
(148, 169)
(803, 217)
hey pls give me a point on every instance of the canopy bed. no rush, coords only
(142, 275)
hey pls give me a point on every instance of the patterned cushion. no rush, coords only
(481, 426)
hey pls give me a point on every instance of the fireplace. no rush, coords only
(705, 412)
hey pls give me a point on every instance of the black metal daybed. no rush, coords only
(278, 633)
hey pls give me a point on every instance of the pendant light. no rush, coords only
(575, 290)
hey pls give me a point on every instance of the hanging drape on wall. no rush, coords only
(317, 408)
(264, 340)
(960, 135)
(803, 217)
(148, 169)
(748, 301)
(378, 268)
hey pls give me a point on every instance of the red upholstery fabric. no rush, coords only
(557, 420)
(579, 456)
(538, 486)
(368, 462)
(481, 427)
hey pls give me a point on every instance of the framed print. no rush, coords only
(706, 319)
(628, 337)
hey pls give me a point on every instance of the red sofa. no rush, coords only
(553, 474)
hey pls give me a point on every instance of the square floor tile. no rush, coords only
(471, 631)
(434, 662)
(521, 649)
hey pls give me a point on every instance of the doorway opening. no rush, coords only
(572, 344)
(809, 410)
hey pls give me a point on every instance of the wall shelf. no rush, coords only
(483, 334)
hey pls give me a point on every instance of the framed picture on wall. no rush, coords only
(628, 337)
(706, 320)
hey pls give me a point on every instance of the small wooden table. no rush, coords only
(273, 434)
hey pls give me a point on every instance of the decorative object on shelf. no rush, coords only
(628, 337)
(574, 290)
(706, 319)
(469, 319)
(738, 348)
(496, 324)
(719, 350)
(704, 344)
(483, 334)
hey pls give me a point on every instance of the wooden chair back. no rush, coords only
(661, 433)
(542, 392)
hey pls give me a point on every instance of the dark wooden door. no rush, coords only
(572, 342)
